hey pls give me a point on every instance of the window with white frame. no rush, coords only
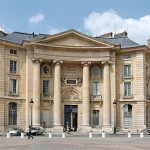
(13, 86)
(127, 56)
(12, 113)
(127, 88)
(127, 70)
(127, 109)
(46, 88)
(13, 66)
(96, 89)
(13, 52)
(95, 118)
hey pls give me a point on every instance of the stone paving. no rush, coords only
(83, 142)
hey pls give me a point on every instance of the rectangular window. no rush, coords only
(46, 88)
(127, 89)
(95, 118)
(128, 116)
(13, 66)
(13, 86)
(96, 88)
(127, 56)
(127, 70)
(13, 52)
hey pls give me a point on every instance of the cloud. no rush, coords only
(1, 29)
(36, 19)
(5, 29)
(109, 21)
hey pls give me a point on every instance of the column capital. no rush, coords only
(37, 60)
(85, 63)
(57, 62)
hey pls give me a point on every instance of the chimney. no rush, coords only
(107, 35)
(2, 34)
(33, 34)
(148, 43)
(122, 34)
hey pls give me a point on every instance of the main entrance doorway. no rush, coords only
(71, 117)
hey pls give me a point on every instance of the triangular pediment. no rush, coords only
(72, 38)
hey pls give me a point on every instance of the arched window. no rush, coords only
(127, 109)
(12, 114)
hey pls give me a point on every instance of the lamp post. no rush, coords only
(114, 104)
(31, 104)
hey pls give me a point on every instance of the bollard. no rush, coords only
(22, 135)
(63, 135)
(103, 134)
(90, 134)
(129, 134)
(8, 135)
(50, 134)
(141, 134)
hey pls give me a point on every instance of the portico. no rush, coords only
(72, 81)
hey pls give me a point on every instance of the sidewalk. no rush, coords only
(113, 142)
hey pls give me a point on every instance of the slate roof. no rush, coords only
(124, 42)
(18, 37)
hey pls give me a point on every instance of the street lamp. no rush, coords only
(31, 104)
(114, 104)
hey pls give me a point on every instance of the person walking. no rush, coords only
(29, 133)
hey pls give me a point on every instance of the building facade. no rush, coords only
(77, 82)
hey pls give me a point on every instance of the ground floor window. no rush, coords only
(12, 114)
(147, 120)
(127, 115)
(95, 118)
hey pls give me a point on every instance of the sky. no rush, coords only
(92, 17)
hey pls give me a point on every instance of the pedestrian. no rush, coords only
(29, 133)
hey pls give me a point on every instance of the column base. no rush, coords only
(85, 128)
(36, 125)
(57, 129)
(107, 128)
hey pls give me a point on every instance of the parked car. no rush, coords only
(16, 131)
(36, 131)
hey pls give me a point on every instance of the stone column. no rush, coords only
(57, 94)
(36, 92)
(86, 95)
(106, 96)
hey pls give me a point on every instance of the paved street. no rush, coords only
(112, 142)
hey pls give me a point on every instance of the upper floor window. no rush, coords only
(127, 70)
(96, 89)
(127, 56)
(96, 71)
(46, 69)
(127, 88)
(13, 86)
(46, 92)
(13, 66)
(13, 52)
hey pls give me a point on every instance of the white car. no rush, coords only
(15, 131)
(36, 131)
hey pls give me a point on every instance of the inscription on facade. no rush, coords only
(71, 69)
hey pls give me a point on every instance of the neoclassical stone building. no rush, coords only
(73, 80)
